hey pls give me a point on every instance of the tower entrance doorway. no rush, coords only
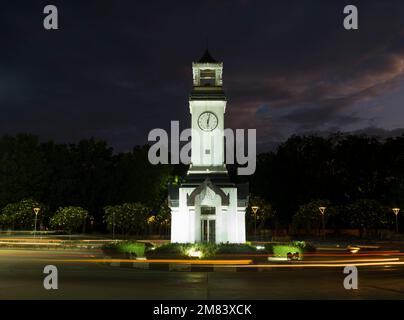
(208, 230)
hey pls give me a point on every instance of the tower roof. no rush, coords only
(207, 58)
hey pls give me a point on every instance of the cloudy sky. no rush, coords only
(117, 69)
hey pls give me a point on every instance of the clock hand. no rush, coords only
(208, 120)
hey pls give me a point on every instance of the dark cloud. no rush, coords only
(116, 70)
(380, 132)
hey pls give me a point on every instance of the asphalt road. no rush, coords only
(21, 277)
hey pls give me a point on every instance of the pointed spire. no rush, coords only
(207, 57)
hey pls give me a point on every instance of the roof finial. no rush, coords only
(207, 57)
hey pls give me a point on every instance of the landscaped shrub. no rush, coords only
(304, 246)
(185, 250)
(236, 248)
(126, 247)
(199, 250)
(283, 250)
(169, 248)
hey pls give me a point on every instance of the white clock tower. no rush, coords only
(207, 105)
(208, 207)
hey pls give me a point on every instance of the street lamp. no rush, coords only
(322, 211)
(91, 223)
(150, 222)
(113, 225)
(255, 209)
(396, 211)
(36, 211)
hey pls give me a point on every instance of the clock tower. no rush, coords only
(207, 105)
(207, 206)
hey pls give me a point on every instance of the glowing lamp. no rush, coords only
(194, 253)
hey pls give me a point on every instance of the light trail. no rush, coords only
(32, 243)
(45, 240)
(196, 262)
(351, 260)
(245, 263)
(326, 265)
(227, 264)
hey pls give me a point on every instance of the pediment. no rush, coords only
(207, 190)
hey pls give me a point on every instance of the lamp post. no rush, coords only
(255, 209)
(396, 211)
(91, 223)
(150, 221)
(322, 211)
(36, 211)
(166, 222)
(113, 225)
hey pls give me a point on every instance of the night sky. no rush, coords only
(117, 69)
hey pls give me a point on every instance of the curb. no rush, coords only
(174, 267)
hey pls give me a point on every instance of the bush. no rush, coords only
(184, 250)
(281, 250)
(69, 218)
(169, 248)
(304, 246)
(129, 218)
(206, 250)
(236, 248)
(126, 247)
(20, 215)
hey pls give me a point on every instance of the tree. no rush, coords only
(299, 171)
(366, 214)
(22, 169)
(360, 168)
(128, 218)
(69, 219)
(392, 189)
(137, 180)
(264, 214)
(342, 168)
(163, 217)
(310, 218)
(20, 215)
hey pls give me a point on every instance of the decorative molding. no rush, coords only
(203, 190)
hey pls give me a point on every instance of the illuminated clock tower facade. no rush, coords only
(208, 207)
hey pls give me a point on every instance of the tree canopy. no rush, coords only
(344, 169)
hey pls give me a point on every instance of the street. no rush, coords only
(21, 273)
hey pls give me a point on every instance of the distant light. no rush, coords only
(353, 249)
(255, 209)
(151, 219)
(194, 253)
(277, 259)
(260, 247)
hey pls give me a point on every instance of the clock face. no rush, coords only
(207, 121)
